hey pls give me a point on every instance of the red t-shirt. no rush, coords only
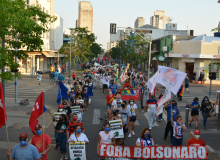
(126, 85)
(196, 143)
(37, 141)
(110, 99)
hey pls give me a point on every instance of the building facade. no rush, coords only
(159, 20)
(85, 16)
(140, 21)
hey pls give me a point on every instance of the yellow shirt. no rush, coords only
(52, 69)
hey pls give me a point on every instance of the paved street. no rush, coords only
(18, 117)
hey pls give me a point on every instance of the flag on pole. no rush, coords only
(3, 115)
(37, 111)
(152, 82)
(176, 78)
(62, 92)
(166, 97)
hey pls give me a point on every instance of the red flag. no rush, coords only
(2, 108)
(98, 59)
(36, 112)
(105, 58)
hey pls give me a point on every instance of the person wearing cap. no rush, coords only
(24, 150)
(196, 140)
(70, 128)
(145, 97)
(38, 141)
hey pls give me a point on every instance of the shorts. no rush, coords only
(131, 120)
(74, 78)
(105, 86)
(194, 112)
(186, 85)
(125, 130)
(144, 102)
(108, 106)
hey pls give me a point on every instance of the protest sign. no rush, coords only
(127, 94)
(75, 109)
(77, 151)
(116, 128)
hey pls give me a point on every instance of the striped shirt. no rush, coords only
(70, 127)
(177, 130)
(152, 104)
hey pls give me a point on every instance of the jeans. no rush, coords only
(160, 116)
(56, 135)
(177, 142)
(169, 128)
(62, 142)
(204, 118)
(151, 116)
(133, 84)
(62, 70)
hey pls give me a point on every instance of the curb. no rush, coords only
(209, 148)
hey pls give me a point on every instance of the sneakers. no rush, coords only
(62, 158)
(152, 125)
(57, 146)
(66, 156)
(150, 128)
(132, 132)
(159, 120)
(129, 135)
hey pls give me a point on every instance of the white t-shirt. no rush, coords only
(82, 138)
(106, 138)
(114, 103)
(132, 109)
(105, 80)
(95, 76)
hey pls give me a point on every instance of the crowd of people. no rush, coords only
(69, 128)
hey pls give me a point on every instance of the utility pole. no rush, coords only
(70, 54)
(16, 78)
(3, 69)
(148, 70)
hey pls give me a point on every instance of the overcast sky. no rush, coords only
(200, 15)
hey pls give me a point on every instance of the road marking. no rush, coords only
(96, 115)
(147, 116)
(137, 123)
(210, 149)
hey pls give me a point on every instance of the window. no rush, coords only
(27, 1)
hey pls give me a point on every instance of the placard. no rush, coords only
(116, 128)
(75, 109)
(57, 116)
(77, 151)
(81, 101)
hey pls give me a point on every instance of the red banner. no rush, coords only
(127, 94)
(153, 152)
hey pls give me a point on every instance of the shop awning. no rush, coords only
(52, 54)
(34, 53)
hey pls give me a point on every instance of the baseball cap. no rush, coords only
(60, 106)
(38, 127)
(23, 135)
(197, 131)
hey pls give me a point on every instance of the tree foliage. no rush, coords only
(25, 22)
(217, 29)
(96, 49)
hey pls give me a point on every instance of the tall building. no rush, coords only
(159, 20)
(85, 16)
(140, 21)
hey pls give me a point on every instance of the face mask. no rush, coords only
(77, 83)
(75, 118)
(122, 105)
(147, 135)
(179, 120)
(38, 132)
(206, 99)
(60, 118)
(118, 99)
(78, 131)
(197, 136)
(119, 115)
(131, 102)
(119, 105)
(87, 84)
(77, 101)
(173, 105)
(110, 92)
(64, 105)
(107, 129)
(146, 87)
(152, 97)
(23, 143)
(69, 82)
(60, 110)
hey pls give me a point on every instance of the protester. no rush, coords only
(56, 75)
(116, 103)
(196, 140)
(101, 81)
(125, 115)
(152, 105)
(69, 85)
(85, 89)
(145, 138)
(133, 116)
(195, 111)
(106, 137)
(52, 69)
(24, 149)
(194, 76)
(187, 84)
(113, 87)
(70, 128)
(67, 109)
(145, 97)
(108, 101)
(133, 80)
(206, 107)
(78, 136)
(176, 112)
(127, 85)
(160, 116)
(39, 75)
(141, 97)
(74, 76)
(105, 81)
(37, 141)
(82, 107)
(117, 116)
(178, 128)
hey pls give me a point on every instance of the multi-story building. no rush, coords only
(140, 21)
(85, 16)
(159, 20)
(53, 40)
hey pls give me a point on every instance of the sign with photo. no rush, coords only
(77, 151)
(116, 128)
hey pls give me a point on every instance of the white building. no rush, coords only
(159, 20)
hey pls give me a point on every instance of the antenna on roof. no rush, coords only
(171, 19)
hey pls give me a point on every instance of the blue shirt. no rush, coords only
(142, 90)
(194, 104)
(113, 88)
(56, 74)
(28, 153)
(175, 113)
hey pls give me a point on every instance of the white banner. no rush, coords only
(116, 128)
(176, 78)
(75, 109)
(166, 97)
(152, 82)
(77, 151)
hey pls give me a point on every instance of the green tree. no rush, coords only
(96, 49)
(25, 22)
(217, 29)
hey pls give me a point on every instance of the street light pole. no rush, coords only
(16, 78)
(70, 55)
(148, 70)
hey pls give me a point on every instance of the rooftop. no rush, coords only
(148, 27)
(205, 38)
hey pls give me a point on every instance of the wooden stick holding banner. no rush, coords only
(43, 121)
(7, 133)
